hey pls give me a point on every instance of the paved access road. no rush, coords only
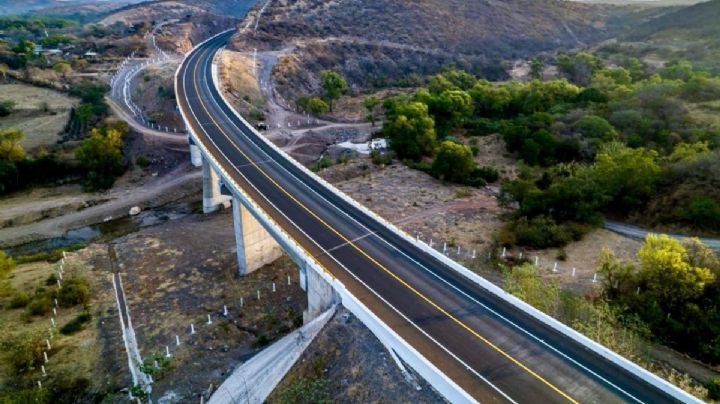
(487, 346)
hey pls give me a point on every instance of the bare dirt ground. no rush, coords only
(419, 203)
(39, 112)
(355, 367)
(179, 273)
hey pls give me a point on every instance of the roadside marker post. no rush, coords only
(209, 320)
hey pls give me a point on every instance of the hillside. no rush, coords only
(690, 33)
(377, 43)
(60, 7)
(696, 22)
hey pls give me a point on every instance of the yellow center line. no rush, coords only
(392, 274)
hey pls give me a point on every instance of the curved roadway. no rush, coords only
(489, 347)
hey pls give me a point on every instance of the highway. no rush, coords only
(490, 348)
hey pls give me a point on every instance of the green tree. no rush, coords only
(578, 68)
(333, 84)
(459, 78)
(370, 103)
(489, 99)
(701, 211)
(454, 162)
(62, 67)
(449, 108)
(100, 155)
(628, 176)
(595, 127)
(678, 70)
(317, 106)
(24, 47)
(537, 66)
(11, 148)
(410, 129)
(667, 273)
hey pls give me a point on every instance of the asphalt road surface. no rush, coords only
(493, 350)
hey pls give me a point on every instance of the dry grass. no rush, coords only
(240, 83)
(41, 127)
(72, 356)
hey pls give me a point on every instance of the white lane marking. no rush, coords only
(494, 387)
(379, 237)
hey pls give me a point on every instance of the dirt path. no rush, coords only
(172, 186)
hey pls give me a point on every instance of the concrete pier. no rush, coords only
(195, 155)
(255, 246)
(212, 199)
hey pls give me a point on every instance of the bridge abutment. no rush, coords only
(255, 246)
(321, 295)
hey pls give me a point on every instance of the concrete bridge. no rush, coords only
(470, 340)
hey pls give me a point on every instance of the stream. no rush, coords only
(105, 231)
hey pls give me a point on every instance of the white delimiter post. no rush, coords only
(211, 188)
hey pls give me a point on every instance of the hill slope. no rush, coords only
(377, 43)
(694, 22)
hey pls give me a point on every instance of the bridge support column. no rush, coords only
(195, 156)
(320, 294)
(212, 199)
(255, 246)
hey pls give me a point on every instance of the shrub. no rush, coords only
(49, 256)
(7, 108)
(488, 173)
(40, 304)
(539, 232)
(74, 291)
(713, 387)
(51, 280)
(25, 351)
(321, 164)
(142, 161)
(379, 158)
(19, 300)
(76, 324)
